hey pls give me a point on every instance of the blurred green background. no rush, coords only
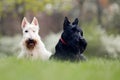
(99, 20)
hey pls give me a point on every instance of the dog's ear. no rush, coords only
(66, 23)
(24, 22)
(75, 22)
(35, 22)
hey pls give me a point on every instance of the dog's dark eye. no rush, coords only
(26, 31)
(33, 31)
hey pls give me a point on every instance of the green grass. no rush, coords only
(93, 69)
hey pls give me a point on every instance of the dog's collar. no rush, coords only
(61, 39)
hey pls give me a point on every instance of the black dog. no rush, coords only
(71, 44)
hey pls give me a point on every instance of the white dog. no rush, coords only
(31, 45)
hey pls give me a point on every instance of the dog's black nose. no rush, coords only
(81, 37)
(30, 39)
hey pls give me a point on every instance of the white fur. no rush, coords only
(39, 51)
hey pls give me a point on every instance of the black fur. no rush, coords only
(73, 44)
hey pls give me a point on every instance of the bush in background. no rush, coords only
(9, 46)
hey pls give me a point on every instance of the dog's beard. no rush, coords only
(78, 45)
(30, 44)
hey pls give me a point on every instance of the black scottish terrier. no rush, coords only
(71, 44)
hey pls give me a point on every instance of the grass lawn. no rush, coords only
(93, 69)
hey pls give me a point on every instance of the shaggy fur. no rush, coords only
(31, 44)
(71, 44)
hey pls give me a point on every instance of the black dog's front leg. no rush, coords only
(81, 57)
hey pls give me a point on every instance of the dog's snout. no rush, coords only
(30, 39)
(81, 38)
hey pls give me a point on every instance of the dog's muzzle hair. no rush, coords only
(30, 43)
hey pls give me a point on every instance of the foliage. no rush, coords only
(112, 45)
(117, 1)
(9, 46)
(51, 40)
(114, 25)
(93, 69)
(93, 33)
(22, 6)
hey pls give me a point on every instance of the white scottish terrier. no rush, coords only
(31, 44)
